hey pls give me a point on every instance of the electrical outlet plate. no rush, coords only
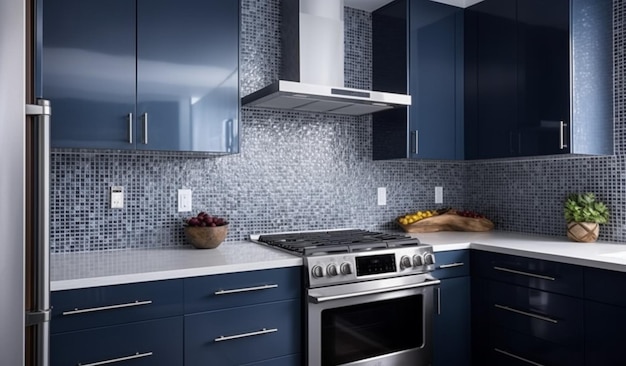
(438, 194)
(184, 200)
(382, 196)
(117, 197)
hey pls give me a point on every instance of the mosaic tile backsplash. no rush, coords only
(299, 171)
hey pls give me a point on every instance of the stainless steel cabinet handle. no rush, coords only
(518, 357)
(109, 307)
(247, 289)
(540, 317)
(243, 335)
(130, 128)
(438, 300)
(319, 299)
(457, 264)
(416, 142)
(120, 359)
(144, 117)
(524, 273)
(562, 144)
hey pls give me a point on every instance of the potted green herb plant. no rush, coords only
(583, 214)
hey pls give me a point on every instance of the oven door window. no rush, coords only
(372, 329)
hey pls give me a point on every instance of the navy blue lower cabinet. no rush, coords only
(291, 360)
(243, 335)
(148, 343)
(451, 326)
(604, 334)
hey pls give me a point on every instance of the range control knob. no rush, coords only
(418, 260)
(429, 258)
(345, 268)
(317, 271)
(405, 262)
(332, 270)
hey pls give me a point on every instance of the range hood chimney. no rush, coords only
(312, 73)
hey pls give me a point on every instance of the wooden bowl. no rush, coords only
(447, 222)
(206, 237)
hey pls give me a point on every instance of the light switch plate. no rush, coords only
(184, 200)
(438, 194)
(382, 196)
(117, 197)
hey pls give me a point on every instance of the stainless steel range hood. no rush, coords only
(312, 73)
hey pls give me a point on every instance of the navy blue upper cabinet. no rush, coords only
(536, 82)
(146, 75)
(88, 72)
(418, 48)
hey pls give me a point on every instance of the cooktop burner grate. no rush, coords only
(337, 241)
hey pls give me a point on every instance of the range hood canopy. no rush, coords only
(312, 73)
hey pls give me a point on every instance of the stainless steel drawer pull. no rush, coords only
(247, 289)
(540, 317)
(562, 144)
(120, 359)
(438, 300)
(525, 273)
(457, 264)
(243, 335)
(518, 357)
(110, 307)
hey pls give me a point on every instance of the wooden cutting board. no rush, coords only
(448, 222)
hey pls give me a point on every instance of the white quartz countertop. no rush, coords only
(604, 255)
(101, 268)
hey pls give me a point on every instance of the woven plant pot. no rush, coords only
(585, 232)
(206, 237)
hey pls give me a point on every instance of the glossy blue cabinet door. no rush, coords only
(88, 72)
(451, 326)
(187, 75)
(436, 59)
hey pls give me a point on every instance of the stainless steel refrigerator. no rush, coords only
(24, 196)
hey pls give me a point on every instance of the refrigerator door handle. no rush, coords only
(39, 315)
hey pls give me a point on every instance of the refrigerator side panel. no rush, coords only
(12, 180)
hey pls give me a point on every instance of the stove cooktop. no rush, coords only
(308, 243)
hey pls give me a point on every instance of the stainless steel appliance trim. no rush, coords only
(320, 299)
(518, 357)
(525, 273)
(37, 317)
(130, 128)
(120, 359)
(457, 264)
(521, 312)
(246, 289)
(145, 128)
(562, 144)
(108, 307)
(243, 335)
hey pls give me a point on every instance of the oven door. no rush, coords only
(381, 322)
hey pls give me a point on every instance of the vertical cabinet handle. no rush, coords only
(415, 147)
(562, 144)
(438, 300)
(130, 128)
(144, 117)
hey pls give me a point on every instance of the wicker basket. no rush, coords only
(206, 237)
(585, 232)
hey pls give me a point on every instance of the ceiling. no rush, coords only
(371, 5)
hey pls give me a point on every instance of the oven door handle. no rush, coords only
(319, 299)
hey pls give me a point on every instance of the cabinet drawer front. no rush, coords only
(110, 305)
(455, 263)
(148, 343)
(604, 334)
(505, 347)
(243, 288)
(600, 286)
(541, 314)
(534, 273)
(243, 335)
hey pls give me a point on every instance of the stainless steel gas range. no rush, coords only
(369, 296)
